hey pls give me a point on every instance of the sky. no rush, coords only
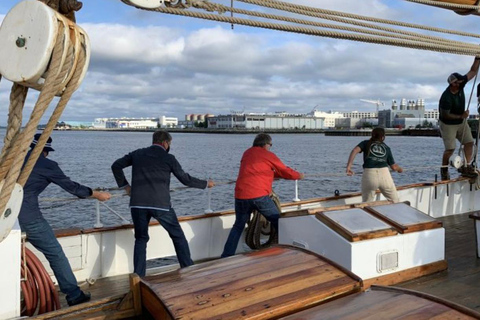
(146, 64)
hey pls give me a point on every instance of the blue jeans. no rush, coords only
(41, 236)
(169, 221)
(243, 209)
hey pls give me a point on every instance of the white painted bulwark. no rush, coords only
(110, 253)
(10, 250)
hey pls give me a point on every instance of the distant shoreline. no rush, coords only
(329, 132)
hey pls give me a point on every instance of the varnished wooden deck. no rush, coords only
(459, 284)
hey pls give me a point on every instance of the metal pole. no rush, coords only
(209, 198)
(98, 224)
(296, 199)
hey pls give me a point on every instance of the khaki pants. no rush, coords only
(452, 132)
(373, 179)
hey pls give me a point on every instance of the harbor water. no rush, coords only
(86, 157)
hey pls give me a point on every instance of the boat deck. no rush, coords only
(459, 284)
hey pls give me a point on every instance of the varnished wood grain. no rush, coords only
(386, 304)
(268, 283)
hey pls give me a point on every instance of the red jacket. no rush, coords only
(258, 167)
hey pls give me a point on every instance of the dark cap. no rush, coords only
(48, 144)
(456, 77)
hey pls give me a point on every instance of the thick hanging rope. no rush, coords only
(44, 99)
(17, 143)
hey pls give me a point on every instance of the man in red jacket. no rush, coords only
(258, 167)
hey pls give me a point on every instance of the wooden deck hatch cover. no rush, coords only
(404, 218)
(261, 284)
(387, 303)
(356, 224)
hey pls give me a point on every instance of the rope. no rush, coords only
(259, 225)
(389, 32)
(464, 157)
(52, 82)
(416, 44)
(18, 95)
(343, 17)
(282, 5)
(62, 65)
(38, 289)
(447, 5)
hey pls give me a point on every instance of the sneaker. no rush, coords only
(444, 174)
(83, 297)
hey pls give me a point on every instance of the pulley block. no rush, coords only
(27, 39)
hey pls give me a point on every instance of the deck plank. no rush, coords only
(460, 282)
(275, 289)
(383, 304)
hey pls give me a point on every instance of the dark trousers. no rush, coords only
(243, 209)
(41, 236)
(169, 221)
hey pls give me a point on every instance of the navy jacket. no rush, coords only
(151, 168)
(45, 172)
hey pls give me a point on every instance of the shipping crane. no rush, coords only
(378, 103)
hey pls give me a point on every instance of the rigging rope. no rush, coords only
(16, 142)
(447, 4)
(395, 38)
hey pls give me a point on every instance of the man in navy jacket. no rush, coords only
(38, 230)
(150, 195)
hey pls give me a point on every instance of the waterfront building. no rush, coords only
(407, 123)
(193, 120)
(263, 121)
(432, 114)
(167, 122)
(328, 117)
(130, 123)
(360, 115)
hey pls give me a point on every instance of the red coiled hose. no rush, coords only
(38, 289)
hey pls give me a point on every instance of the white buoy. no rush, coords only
(456, 161)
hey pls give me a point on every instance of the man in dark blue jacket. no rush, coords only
(150, 196)
(38, 230)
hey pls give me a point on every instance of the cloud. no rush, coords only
(174, 66)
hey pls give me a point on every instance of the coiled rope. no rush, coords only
(38, 289)
(259, 226)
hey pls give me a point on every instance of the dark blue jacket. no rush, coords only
(45, 172)
(151, 168)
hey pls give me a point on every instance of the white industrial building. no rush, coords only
(130, 123)
(262, 121)
(167, 122)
